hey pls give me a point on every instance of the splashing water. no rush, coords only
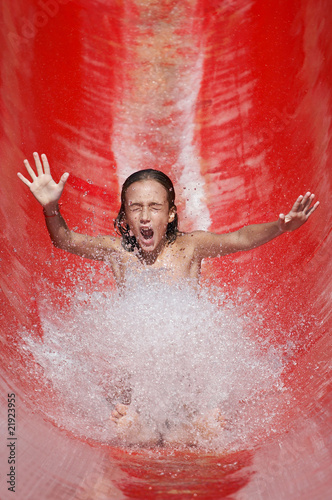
(170, 350)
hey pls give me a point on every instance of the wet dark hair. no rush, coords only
(129, 242)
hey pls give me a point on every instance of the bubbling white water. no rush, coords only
(172, 351)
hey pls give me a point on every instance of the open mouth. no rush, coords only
(147, 233)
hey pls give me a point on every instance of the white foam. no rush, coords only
(178, 352)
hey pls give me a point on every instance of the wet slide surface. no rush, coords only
(232, 99)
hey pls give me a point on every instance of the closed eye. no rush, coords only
(135, 207)
(156, 208)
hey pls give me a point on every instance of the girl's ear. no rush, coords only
(171, 214)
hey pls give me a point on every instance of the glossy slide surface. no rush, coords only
(233, 100)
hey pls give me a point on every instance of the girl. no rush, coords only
(148, 236)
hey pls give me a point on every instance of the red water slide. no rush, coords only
(232, 99)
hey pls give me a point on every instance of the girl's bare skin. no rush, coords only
(129, 428)
(147, 214)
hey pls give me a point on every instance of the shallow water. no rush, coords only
(171, 350)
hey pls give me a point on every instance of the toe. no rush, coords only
(121, 409)
(220, 418)
(115, 414)
(118, 413)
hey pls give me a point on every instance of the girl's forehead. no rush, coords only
(146, 189)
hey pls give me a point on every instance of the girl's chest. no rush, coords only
(175, 261)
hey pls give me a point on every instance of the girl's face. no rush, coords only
(147, 213)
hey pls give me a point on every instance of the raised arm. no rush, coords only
(48, 193)
(248, 237)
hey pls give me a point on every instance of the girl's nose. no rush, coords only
(145, 214)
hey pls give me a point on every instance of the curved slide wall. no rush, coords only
(232, 99)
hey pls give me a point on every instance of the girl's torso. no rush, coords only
(176, 259)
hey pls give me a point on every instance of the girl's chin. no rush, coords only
(147, 245)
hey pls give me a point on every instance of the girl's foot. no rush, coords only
(129, 428)
(199, 431)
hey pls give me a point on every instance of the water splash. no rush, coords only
(172, 351)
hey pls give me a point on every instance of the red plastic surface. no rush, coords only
(231, 96)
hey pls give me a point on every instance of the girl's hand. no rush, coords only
(299, 214)
(43, 187)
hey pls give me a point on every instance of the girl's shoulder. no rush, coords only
(189, 239)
